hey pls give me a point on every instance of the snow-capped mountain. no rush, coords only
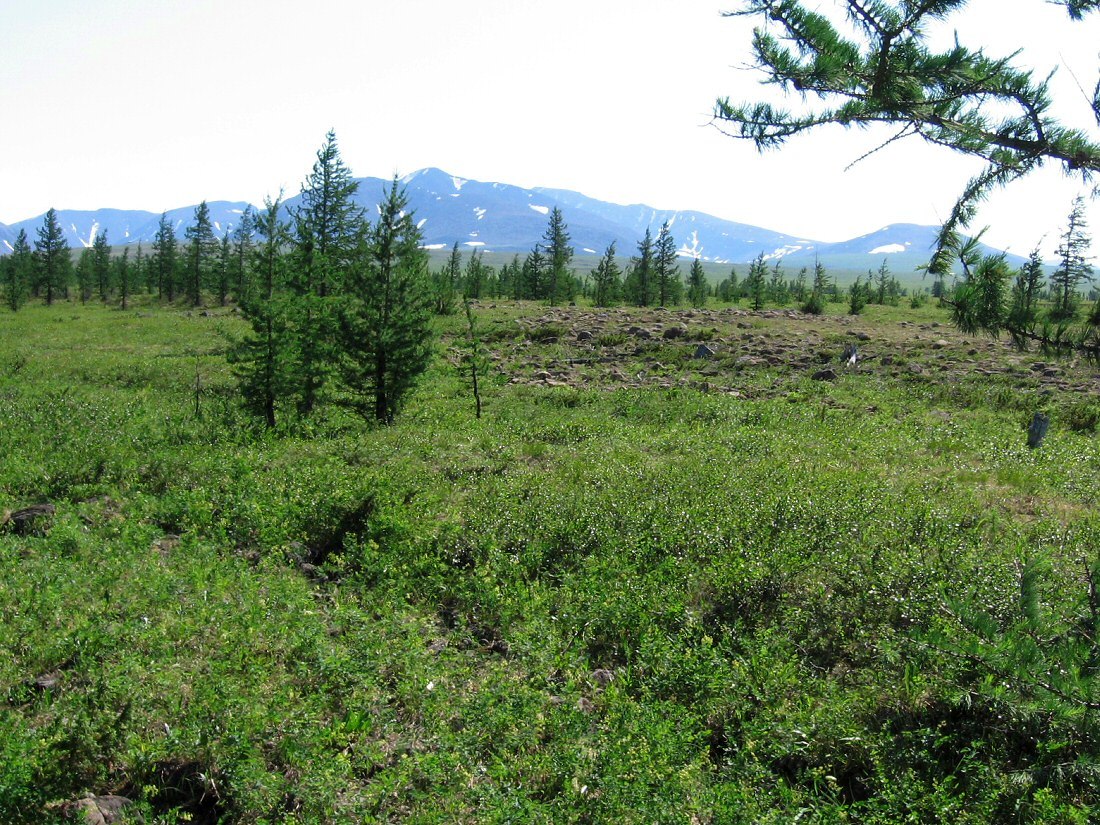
(503, 218)
(7, 239)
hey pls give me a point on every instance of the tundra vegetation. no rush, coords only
(686, 565)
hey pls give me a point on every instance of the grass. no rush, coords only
(610, 599)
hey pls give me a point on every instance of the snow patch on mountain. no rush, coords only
(474, 243)
(888, 249)
(420, 224)
(590, 251)
(9, 246)
(434, 246)
(459, 182)
(691, 248)
(479, 212)
(542, 210)
(783, 251)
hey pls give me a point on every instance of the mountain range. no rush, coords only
(500, 217)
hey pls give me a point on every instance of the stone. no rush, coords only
(673, 332)
(585, 335)
(96, 810)
(602, 677)
(703, 351)
(827, 374)
(33, 520)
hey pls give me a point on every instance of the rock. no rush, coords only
(916, 369)
(939, 344)
(1051, 372)
(862, 336)
(47, 681)
(602, 677)
(33, 520)
(585, 705)
(585, 335)
(1038, 366)
(827, 374)
(542, 375)
(674, 332)
(96, 810)
(703, 351)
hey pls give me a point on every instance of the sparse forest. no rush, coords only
(300, 524)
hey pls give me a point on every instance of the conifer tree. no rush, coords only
(665, 271)
(385, 341)
(534, 273)
(1073, 267)
(101, 265)
(202, 253)
(882, 282)
(162, 262)
(558, 255)
(815, 304)
(756, 283)
(445, 283)
(1023, 313)
(85, 273)
(243, 234)
(328, 230)
(639, 281)
(123, 276)
(53, 263)
(473, 278)
(606, 278)
(697, 284)
(19, 272)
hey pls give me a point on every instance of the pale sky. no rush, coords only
(157, 104)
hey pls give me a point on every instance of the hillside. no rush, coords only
(499, 217)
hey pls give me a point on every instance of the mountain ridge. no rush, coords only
(501, 217)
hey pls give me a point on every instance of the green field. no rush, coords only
(644, 587)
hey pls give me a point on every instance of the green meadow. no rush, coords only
(650, 584)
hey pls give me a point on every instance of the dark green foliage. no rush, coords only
(815, 304)
(756, 283)
(1073, 268)
(328, 232)
(223, 271)
(558, 252)
(1023, 311)
(18, 272)
(101, 266)
(445, 283)
(886, 72)
(666, 273)
(385, 338)
(124, 276)
(265, 361)
(698, 288)
(243, 239)
(979, 303)
(85, 274)
(162, 263)
(857, 297)
(53, 266)
(606, 277)
(533, 276)
(473, 278)
(202, 253)
(639, 287)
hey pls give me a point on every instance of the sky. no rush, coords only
(134, 104)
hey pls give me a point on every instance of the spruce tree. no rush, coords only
(123, 276)
(534, 273)
(445, 283)
(606, 278)
(697, 284)
(328, 229)
(202, 253)
(815, 304)
(19, 272)
(1073, 267)
(639, 282)
(665, 271)
(243, 234)
(223, 269)
(558, 255)
(756, 283)
(264, 361)
(385, 341)
(101, 265)
(473, 278)
(53, 262)
(85, 273)
(162, 263)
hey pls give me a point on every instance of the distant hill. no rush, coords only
(499, 217)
